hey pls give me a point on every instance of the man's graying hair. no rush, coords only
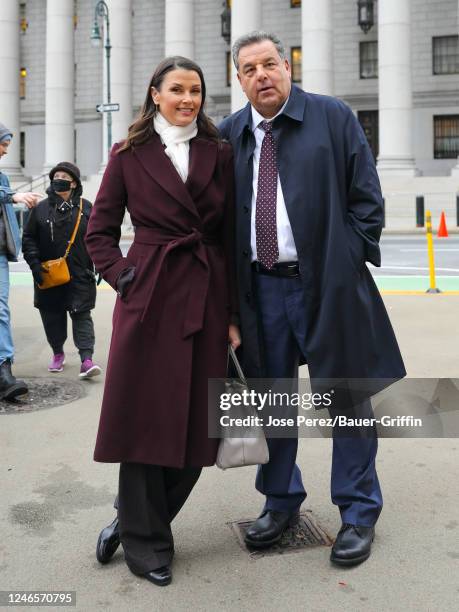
(251, 38)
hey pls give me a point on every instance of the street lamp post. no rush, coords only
(101, 10)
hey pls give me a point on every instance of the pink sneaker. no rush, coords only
(57, 363)
(89, 369)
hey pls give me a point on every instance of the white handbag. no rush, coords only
(236, 451)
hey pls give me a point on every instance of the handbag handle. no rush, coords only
(237, 365)
(75, 229)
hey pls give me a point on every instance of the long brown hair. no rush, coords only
(142, 129)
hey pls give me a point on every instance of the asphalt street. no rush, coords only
(404, 264)
(406, 255)
(401, 254)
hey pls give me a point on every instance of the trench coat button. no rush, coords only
(248, 297)
(246, 209)
(245, 253)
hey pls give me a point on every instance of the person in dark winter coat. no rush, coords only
(171, 323)
(309, 215)
(10, 244)
(46, 236)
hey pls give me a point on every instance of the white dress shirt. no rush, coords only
(286, 244)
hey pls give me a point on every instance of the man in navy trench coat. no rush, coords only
(317, 303)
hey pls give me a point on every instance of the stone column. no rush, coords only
(245, 17)
(396, 156)
(120, 15)
(9, 89)
(317, 46)
(121, 65)
(59, 90)
(179, 28)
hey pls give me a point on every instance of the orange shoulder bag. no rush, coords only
(56, 271)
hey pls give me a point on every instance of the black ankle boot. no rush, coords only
(10, 387)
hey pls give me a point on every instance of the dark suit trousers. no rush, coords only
(149, 498)
(354, 483)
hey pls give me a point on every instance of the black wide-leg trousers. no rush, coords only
(149, 497)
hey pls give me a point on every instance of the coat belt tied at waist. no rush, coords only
(194, 242)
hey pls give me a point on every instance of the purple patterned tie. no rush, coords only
(265, 213)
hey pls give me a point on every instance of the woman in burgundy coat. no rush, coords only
(171, 322)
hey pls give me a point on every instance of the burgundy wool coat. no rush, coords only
(170, 327)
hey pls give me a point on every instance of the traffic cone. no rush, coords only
(442, 231)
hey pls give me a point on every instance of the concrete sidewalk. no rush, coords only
(55, 499)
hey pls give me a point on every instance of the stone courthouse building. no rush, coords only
(395, 62)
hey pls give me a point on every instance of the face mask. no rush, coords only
(61, 185)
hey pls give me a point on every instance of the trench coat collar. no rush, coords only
(203, 156)
(296, 104)
(294, 109)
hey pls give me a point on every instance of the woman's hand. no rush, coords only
(29, 198)
(234, 336)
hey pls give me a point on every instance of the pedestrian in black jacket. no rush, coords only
(46, 236)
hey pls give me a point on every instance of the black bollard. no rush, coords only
(419, 211)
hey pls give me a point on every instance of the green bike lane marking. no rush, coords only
(415, 283)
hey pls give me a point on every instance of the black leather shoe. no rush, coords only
(108, 542)
(352, 544)
(269, 527)
(161, 576)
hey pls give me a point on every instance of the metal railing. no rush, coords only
(37, 183)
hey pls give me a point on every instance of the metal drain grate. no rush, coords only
(306, 533)
(44, 393)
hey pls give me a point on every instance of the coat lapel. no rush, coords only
(153, 159)
(203, 157)
(244, 148)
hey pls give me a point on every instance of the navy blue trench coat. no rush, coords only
(334, 203)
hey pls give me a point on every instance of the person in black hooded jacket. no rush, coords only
(46, 235)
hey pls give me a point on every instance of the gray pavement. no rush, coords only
(54, 500)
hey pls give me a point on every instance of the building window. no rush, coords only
(369, 60)
(446, 136)
(22, 149)
(23, 23)
(445, 54)
(75, 14)
(22, 83)
(229, 59)
(295, 3)
(369, 120)
(296, 64)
